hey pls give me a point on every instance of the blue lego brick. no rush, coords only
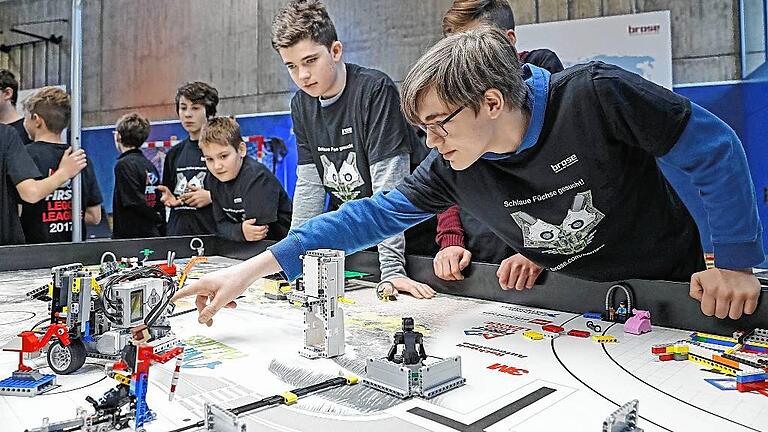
(25, 387)
(592, 315)
(712, 341)
(756, 348)
(751, 378)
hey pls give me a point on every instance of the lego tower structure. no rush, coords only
(323, 317)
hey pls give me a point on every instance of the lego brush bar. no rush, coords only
(290, 397)
(287, 398)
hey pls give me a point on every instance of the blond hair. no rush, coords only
(222, 131)
(52, 105)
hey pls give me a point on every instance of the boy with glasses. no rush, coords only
(563, 168)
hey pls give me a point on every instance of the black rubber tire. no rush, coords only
(68, 358)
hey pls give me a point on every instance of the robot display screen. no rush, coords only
(137, 305)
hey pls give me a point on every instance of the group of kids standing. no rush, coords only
(532, 167)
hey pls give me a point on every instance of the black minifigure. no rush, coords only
(408, 339)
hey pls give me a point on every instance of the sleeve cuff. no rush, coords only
(287, 252)
(739, 255)
(451, 240)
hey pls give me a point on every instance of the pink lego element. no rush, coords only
(639, 323)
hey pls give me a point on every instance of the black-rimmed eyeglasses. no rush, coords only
(438, 127)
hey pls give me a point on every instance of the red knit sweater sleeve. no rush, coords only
(449, 229)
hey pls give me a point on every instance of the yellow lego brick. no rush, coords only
(50, 289)
(95, 286)
(289, 398)
(604, 339)
(76, 285)
(351, 379)
(533, 335)
(713, 365)
(122, 379)
(346, 300)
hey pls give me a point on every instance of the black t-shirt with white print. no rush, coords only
(184, 167)
(137, 211)
(343, 140)
(50, 220)
(15, 166)
(254, 194)
(588, 199)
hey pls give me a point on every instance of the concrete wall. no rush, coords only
(136, 52)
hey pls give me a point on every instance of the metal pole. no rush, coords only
(76, 82)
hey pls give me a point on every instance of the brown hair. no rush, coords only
(303, 19)
(52, 105)
(199, 92)
(8, 80)
(460, 68)
(496, 13)
(222, 131)
(133, 129)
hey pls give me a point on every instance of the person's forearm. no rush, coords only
(35, 190)
(230, 230)
(385, 176)
(309, 195)
(263, 264)
(710, 152)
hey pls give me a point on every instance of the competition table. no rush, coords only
(513, 383)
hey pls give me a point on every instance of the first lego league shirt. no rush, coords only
(587, 197)
(50, 220)
(185, 167)
(344, 139)
(15, 166)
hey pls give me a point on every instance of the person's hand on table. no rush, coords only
(518, 272)
(449, 263)
(726, 293)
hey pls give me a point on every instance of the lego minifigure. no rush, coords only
(408, 339)
(407, 374)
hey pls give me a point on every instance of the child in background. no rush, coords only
(137, 210)
(249, 203)
(50, 220)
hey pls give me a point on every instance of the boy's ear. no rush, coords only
(242, 149)
(511, 36)
(6, 94)
(493, 101)
(118, 138)
(336, 50)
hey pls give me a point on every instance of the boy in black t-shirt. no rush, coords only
(17, 181)
(352, 139)
(137, 211)
(185, 186)
(9, 95)
(50, 220)
(249, 203)
(564, 168)
(460, 235)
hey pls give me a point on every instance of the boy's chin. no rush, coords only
(224, 177)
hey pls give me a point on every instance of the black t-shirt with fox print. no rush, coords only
(363, 127)
(184, 168)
